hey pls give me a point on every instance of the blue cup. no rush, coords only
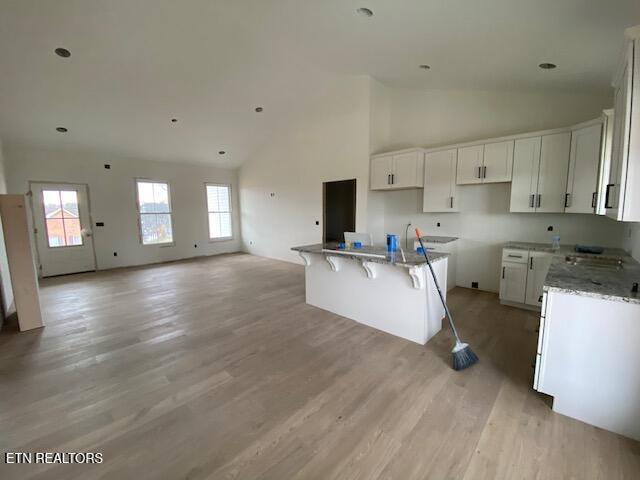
(356, 244)
(392, 242)
(420, 250)
(341, 246)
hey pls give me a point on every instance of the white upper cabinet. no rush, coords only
(498, 162)
(381, 168)
(440, 190)
(524, 186)
(552, 179)
(584, 161)
(470, 165)
(396, 171)
(408, 170)
(622, 194)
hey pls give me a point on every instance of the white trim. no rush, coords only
(230, 212)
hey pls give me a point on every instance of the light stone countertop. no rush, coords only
(413, 259)
(606, 283)
(438, 239)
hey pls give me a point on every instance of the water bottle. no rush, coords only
(392, 242)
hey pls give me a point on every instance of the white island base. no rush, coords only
(399, 300)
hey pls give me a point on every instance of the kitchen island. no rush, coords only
(377, 288)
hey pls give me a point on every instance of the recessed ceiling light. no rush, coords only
(62, 52)
(424, 67)
(61, 130)
(365, 12)
(174, 120)
(221, 152)
(259, 109)
(547, 66)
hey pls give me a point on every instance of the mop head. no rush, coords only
(463, 356)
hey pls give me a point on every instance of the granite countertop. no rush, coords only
(564, 250)
(438, 239)
(413, 259)
(607, 283)
(593, 281)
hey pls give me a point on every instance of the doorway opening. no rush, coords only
(339, 209)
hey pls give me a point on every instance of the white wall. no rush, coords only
(485, 224)
(5, 278)
(439, 117)
(112, 199)
(281, 183)
(632, 240)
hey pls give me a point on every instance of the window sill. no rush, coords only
(221, 239)
(165, 244)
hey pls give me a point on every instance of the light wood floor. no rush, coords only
(217, 369)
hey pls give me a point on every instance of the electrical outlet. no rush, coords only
(115, 254)
(438, 224)
(550, 228)
(195, 245)
(474, 284)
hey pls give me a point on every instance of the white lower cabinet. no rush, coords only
(539, 263)
(522, 276)
(513, 282)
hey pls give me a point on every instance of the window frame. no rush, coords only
(46, 224)
(136, 182)
(206, 202)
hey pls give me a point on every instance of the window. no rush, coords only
(154, 211)
(219, 208)
(62, 218)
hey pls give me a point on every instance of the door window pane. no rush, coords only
(62, 218)
(154, 207)
(219, 208)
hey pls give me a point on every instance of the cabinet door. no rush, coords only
(470, 165)
(524, 185)
(439, 182)
(583, 170)
(406, 171)
(513, 282)
(539, 263)
(381, 173)
(552, 179)
(498, 162)
(615, 189)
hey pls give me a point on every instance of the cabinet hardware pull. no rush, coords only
(479, 172)
(393, 178)
(484, 172)
(606, 196)
(539, 200)
(540, 299)
(514, 256)
(594, 198)
(389, 179)
(503, 272)
(566, 200)
(451, 201)
(531, 263)
(531, 200)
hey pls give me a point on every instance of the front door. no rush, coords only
(62, 228)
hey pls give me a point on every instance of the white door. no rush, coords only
(524, 185)
(439, 179)
(498, 162)
(539, 263)
(513, 282)
(381, 173)
(406, 170)
(552, 179)
(62, 228)
(470, 165)
(583, 170)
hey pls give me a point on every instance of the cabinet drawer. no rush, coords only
(514, 255)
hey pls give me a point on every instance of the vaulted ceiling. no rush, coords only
(135, 65)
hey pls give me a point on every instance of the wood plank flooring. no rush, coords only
(216, 369)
